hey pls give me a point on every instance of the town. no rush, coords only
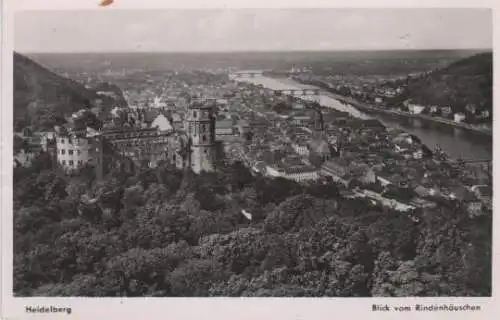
(270, 152)
(201, 120)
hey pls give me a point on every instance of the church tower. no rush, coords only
(200, 129)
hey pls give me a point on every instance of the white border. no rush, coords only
(218, 308)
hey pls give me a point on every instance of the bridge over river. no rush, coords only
(455, 141)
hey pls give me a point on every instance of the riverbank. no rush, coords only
(366, 107)
(457, 142)
(466, 126)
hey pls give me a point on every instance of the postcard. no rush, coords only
(300, 160)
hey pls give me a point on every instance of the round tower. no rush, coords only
(200, 129)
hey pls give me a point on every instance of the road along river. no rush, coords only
(457, 142)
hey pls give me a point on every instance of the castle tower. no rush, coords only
(200, 129)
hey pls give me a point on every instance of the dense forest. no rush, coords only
(162, 232)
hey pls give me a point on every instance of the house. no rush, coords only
(400, 148)
(300, 120)
(367, 176)
(415, 108)
(446, 111)
(484, 114)
(418, 154)
(483, 193)
(24, 157)
(243, 126)
(162, 123)
(224, 127)
(473, 205)
(298, 106)
(300, 173)
(433, 109)
(338, 170)
(321, 148)
(387, 179)
(459, 117)
(301, 148)
(421, 191)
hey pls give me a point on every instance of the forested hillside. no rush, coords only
(467, 81)
(161, 232)
(43, 98)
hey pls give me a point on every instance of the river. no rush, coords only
(456, 142)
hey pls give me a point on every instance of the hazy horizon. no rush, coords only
(253, 30)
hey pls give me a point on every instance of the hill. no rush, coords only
(43, 98)
(467, 81)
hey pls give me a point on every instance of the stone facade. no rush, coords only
(200, 129)
(74, 151)
(193, 146)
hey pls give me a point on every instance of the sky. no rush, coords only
(252, 30)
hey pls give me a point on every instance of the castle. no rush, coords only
(136, 145)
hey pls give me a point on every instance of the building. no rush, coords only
(483, 193)
(415, 108)
(298, 106)
(422, 204)
(162, 123)
(25, 157)
(177, 120)
(446, 111)
(321, 148)
(433, 109)
(200, 130)
(243, 126)
(473, 205)
(301, 149)
(484, 114)
(459, 117)
(74, 149)
(400, 148)
(418, 154)
(143, 146)
(303, 173)
(367, 176)
(191, 145)
(134, 143)
(224, 127)
(337, 170)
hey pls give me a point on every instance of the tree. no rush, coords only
(294, 213)
(195, 277)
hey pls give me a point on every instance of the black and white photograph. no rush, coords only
(272, 152)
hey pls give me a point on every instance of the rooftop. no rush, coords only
(202, 103)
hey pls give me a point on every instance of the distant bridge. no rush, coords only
(297, 92)
(247, 74)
